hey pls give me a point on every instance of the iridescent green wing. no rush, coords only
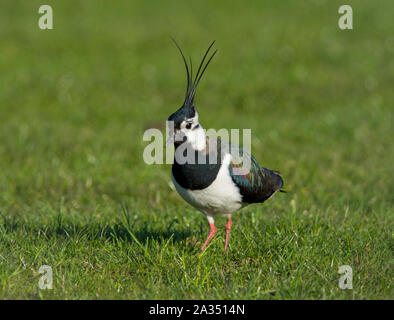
(256, 184)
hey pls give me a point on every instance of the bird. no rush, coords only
(207, 178)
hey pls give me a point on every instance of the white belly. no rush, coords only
(221, 197)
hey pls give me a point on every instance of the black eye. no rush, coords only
(188, 125)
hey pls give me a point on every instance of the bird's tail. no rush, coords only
(281, 186)
(276, 177)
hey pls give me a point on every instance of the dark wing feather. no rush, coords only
(257, 184)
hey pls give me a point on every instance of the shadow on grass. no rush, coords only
(122, 230)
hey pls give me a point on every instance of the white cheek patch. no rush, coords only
(196, 138)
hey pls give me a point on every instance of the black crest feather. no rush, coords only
(192, 84)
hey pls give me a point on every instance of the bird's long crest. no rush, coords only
(192, 84)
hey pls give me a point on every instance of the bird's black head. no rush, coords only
(187, 113)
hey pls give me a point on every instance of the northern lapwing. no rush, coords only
(213, 187)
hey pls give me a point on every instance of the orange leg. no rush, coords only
(212, 231)
(228, 230)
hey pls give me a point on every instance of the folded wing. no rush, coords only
(256, 184)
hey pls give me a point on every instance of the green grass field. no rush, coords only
(75, 193)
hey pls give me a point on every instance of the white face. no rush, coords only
(193, 131)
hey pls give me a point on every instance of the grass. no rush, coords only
(75, 193)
